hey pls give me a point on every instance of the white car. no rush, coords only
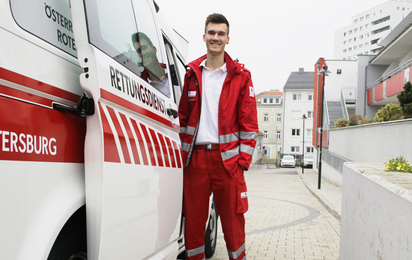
(287, 161)
(308, 160)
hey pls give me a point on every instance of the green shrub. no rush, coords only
(358, 120)
(341, 122)
(388, 113)
(405, 99)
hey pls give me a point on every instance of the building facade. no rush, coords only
(298, 98)
(368, 28)
(270, 119)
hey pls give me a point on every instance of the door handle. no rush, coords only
(172, 112)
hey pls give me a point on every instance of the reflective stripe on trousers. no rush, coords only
(236, 254)
(196, 251)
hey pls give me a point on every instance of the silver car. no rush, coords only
(308, 160)
(287, 161)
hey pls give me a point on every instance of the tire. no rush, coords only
(71, 243)
(211, 232)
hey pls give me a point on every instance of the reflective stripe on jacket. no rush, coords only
(238, 127)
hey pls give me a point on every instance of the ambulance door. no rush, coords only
(133, 164)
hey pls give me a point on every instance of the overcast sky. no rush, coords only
(271, 37)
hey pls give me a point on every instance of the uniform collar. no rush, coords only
(223, 68)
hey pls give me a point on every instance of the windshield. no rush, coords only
(308, 156)
(287, 158)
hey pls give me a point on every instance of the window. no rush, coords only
(47, 25)
(361, 37)
(277, 100)
(310, 96)
(350, 32)
(309, 132)
(355, 47)
(356, 29)
(360, 28)
(344, 34)
(350, 49)
(309, 149)
(295, 149)
(344, 42)
(137, 49)
(277, 135)
(297, 96)
(354, 39)
(367, 16)
(265, 134)
(265, 100)
(271, 100)
(278, 117)
(356, 20)
(265, 117)
(360, 46)
(310, 114)
(296, 132)
(361, 19)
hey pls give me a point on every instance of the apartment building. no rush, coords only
(270, 120)
(368, 28)
(298, 101)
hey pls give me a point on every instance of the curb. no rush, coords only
(329, 207)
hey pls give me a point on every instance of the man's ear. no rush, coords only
(204, 37)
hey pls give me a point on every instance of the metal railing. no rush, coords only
(391, 73)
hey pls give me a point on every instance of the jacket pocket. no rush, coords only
(242, 197)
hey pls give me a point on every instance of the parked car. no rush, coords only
(308, 160)
(287, 161)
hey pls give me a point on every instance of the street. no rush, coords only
(284, 221)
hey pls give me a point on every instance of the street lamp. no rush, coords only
(303, 150)
(323, 72)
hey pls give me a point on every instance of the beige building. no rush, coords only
(270, 119)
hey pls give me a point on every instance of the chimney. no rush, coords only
(301, 70)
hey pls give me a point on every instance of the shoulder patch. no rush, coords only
(251, 91)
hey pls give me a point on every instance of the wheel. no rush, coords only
(211, 232)
(71, 242)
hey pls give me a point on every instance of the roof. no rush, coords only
(300, 80)
(270, 93)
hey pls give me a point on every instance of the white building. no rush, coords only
(270, 119)
(368, 28)
(298, 101)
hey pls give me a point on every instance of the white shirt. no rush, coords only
(212, 83)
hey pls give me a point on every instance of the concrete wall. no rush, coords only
(373, 142)
(376, 210)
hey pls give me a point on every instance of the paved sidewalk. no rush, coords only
(329, 194)
(286, 221)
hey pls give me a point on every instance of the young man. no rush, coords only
(218, 130)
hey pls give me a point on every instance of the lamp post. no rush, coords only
(323, 72)
(303, 148)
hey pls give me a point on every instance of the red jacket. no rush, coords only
(238, 127)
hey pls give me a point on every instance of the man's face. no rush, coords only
(216, 37)
(146, 52)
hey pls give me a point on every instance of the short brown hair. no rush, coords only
(217, 18)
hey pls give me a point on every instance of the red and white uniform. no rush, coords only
(218, 170)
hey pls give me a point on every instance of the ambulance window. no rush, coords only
(181, 68)
(51, 21)
(173, 72)
(134, 44)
